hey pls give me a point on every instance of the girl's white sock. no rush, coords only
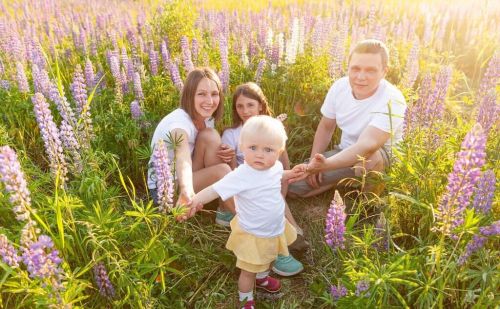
(262, 275)
(246, 296)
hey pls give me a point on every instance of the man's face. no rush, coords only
(365, 73)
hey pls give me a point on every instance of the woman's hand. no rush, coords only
(190, 208)
(226, 153)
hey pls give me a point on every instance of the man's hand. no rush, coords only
(226, 153)
(314, 168)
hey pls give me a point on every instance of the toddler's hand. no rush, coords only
(298, 172)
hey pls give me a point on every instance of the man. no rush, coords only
(370, 112)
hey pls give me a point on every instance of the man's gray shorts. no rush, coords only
(301, 188)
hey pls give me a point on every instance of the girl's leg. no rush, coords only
(246, 281)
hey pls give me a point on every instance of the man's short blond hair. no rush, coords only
(265, 127)
(372, 46)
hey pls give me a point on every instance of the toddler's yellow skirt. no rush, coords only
(255, 254)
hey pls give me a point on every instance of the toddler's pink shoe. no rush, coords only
(250, 304)
(269, 284)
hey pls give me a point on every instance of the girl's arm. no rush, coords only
(205, 196)
(298, 172)
(183, 166)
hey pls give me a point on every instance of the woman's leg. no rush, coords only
(207, 167)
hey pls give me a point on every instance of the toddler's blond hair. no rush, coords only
(266, 127)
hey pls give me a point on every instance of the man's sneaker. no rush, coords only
(287, 266)
(249, 304)
(269, 284)
(223, 217)
(299, 245)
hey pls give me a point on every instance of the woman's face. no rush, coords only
(246, 107)
(206, 99)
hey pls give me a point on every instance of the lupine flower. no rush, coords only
(195, 50)
(476, 243)
(260, 70)
(335, 223)
(175, 75)
(41, 80)
(40, 260)
(4, 84)
(186, 55)
(491, 230)
(361, 287)
(435, 101)
(165, 55)
(78, 89)
(491, 76)
(293, 43)
(50, 136)
(338, 291)
(164, 182)
(483, 194)
(488, 111)
(8, 252)
(15, 184)
(380, 232)
(102, 280)
(22, 81)
(153, 59)
(461, 182)
(70, 144)
(135, 110)
(62, 105)
(90, 79)
(411, 69)
(138, 87)
(223, 48)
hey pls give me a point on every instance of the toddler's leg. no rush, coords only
(245, 285)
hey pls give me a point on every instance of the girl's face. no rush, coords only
(246, 107)
(206, 99)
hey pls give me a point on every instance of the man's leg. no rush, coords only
(372, 168)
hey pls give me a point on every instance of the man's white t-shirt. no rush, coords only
(353, 116)
(260, 207)
(177, 119)
(231, 137)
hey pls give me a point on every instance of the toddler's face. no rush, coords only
(260, 153)
(246, 107)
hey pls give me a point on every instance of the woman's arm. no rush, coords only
(183, 165)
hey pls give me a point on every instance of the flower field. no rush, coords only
(83, 85)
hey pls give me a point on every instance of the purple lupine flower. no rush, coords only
(78, 90)
(102, 280)
(335, 66)
(42, 261)
(153, 59)
(22, 81)
(380, 232)
(165, 55)
(338, 291)
(435, 100)
(411, 69)
(62, 104)
(195, 50)
(71, 145)
(4, 84)
(223, 49)
(484, 191)
(138, 87)
(41, 80)
(491, 230)
(260, 71)
(164, 182)
(361, 287)
(476, 243)
(128, 64)
(114, 65)
(461, 181)
(8, 252)
(135, 110)
(90, 79)
(335, 223)
(186, 55)
(15, 184)
(489, 111)
(50, 136)
(491, 76)
(175, 76)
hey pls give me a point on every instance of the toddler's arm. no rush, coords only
(201, 198)
(298, 172)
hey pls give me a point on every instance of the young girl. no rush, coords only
(198, 156)
(249, 101)
(259, 231)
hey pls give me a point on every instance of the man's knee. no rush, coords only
(375, 163)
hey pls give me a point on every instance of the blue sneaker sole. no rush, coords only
(222, 222)
(287, 274)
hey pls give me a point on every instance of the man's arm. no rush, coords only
(370, 140)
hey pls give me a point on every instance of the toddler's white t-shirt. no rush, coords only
(353, 116)
(260, 207)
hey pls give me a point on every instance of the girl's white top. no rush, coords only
(178, 119)
(260, 207)
(231, 137)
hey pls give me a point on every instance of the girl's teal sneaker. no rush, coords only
(287, 266)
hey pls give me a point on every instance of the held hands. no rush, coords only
(226, 153)
(189, 205)
(314, 167)
(298, 172)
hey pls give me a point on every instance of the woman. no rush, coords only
(199, 157)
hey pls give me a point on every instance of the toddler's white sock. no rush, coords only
(262, 275)
(246, 296)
